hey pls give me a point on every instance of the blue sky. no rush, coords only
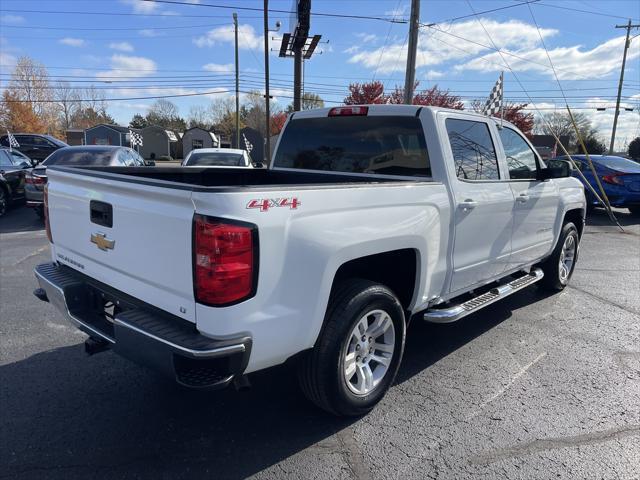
(167, 49)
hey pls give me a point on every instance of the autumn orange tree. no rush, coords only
(18, 115)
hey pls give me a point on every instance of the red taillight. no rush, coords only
(35, 180)
(47, 226)
(223, 261)
(615, 179)
(348, 111)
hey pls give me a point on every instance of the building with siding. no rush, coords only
(196, 137)
(158, 142)
(75, 136)
(104, 134)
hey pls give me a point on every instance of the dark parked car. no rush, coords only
(13, 167)
(36, 147)
(620, 178)
(81, 155)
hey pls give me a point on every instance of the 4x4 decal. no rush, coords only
(264, 204)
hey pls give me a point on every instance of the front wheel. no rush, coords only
(358, 352)
(558, 268)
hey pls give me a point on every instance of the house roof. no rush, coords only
(117, 128)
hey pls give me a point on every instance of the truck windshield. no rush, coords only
(387, 145)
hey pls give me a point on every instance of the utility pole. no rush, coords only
(627, 43)
(410, 75)
(267, 97)
(235, 25)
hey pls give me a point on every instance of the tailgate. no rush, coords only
(146, 252)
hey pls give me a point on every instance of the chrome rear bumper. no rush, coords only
(141, 332)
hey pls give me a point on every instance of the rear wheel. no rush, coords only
(558, 268)
(358, 351)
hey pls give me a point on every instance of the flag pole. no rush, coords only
(502, 100)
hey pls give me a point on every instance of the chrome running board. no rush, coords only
(456, 312)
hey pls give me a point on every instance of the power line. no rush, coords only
(610, 15)
(450, 20)
(38, 27)
(288, 12)
(115, 14)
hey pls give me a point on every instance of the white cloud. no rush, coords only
(571, 62)
(398, 12)
(352, 49)
(247, 37)
(11, 19)
(128, 66)
(433, 74)
(7, 60)
(367, 37)
(147, 32)
(72, 42)
(219, 68)
(121, 46)
(140, 6)
(437, 47)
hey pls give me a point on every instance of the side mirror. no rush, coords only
(149, 163)
(556, 169)
(258, 165)
(24, 165)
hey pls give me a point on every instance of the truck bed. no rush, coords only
(220, 179)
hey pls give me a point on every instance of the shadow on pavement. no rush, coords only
(599, 218)
(68, 416)
(20, 219)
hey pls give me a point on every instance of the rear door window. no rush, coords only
(474, 154)
(383, 145)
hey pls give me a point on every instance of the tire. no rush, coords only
(557, 276)
(323, 371)
(635, 210)
(4, 202)
(39, 212)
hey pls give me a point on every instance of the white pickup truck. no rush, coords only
(367, 217)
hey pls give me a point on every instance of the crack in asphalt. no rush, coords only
(602, 299)
(540, 445)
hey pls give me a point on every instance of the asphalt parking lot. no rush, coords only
(534, 387)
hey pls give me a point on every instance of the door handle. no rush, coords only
(523, 198)
(468, 204)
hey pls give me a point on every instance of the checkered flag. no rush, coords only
(494, 102)
(13, 143)
(135, 138)
(247, 144)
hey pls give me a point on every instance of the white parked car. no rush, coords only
(368, 217)
(217, 157)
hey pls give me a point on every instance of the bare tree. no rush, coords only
(163, 108)
(30, 83)
(222, 112)
(561, 125)
(68, 102)
(199, 116)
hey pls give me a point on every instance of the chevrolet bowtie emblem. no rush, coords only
(101, 241)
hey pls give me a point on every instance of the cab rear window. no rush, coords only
(382, 145)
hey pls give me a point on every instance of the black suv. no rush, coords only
(36, 147)
(13, 166)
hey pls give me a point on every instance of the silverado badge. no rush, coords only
(100, 239)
